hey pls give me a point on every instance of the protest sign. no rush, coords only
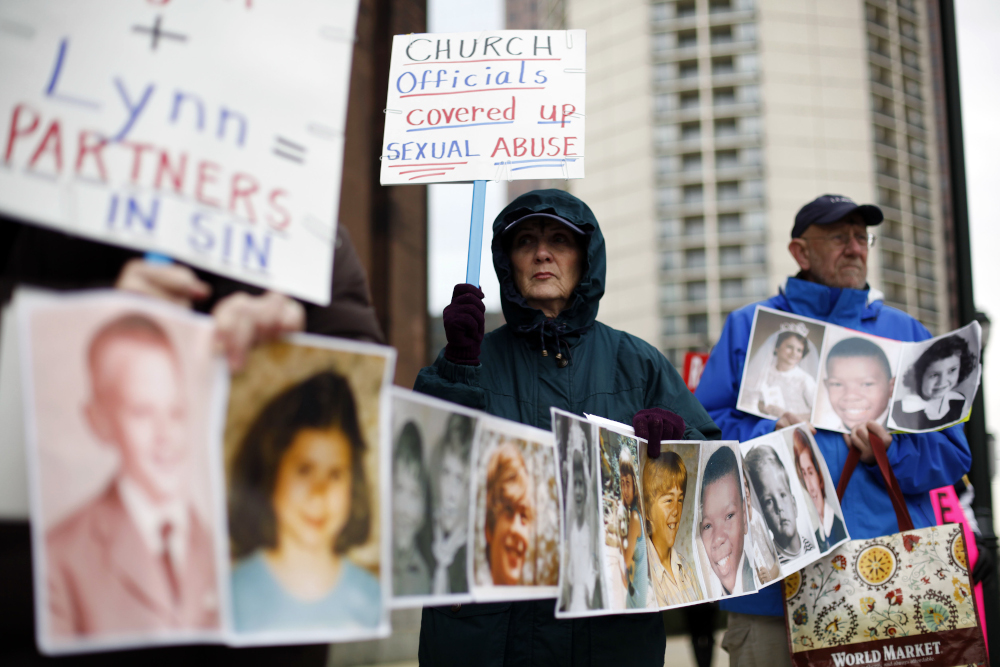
(210, 132)
(505, 104)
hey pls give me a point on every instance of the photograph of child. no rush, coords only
(939, 381)
(625, 571)
(430, 500)
(411, 509)
(723, 526)
(765, 556)
(669, 522)
(815, 479)
(582, 578)
(303, 432)
(856, 375)
(516, 512)
(781, 504)
(780, 376)
(120, 441)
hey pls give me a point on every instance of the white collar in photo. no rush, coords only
(914, 403)
(828, 517)
(149, 518)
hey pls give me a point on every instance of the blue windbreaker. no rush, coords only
(921, 462)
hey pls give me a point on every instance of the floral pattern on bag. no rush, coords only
(893, 586)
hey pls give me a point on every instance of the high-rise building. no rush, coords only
(710, 122)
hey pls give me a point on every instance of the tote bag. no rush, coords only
(900, 599)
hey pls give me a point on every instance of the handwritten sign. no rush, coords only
(210, 131)
(496, 105)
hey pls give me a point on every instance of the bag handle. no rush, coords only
(892, 485)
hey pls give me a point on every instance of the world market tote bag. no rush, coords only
(902, 599)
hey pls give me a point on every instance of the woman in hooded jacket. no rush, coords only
(549, 255)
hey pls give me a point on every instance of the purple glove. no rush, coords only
(464, 320)
(656, 424)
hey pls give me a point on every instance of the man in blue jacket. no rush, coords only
(830, 243)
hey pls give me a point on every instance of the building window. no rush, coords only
(722, 34)
(725, 127)
(729, 223)
(914, 117)
(693, 194)
(660, 11)
(919, 177)
(885, 136)
(887, 197)
(686, 9)
(669, 228)
(728, 190)
(883, 106)
(669, 325)
(731, 288)
(910, 58)
(688, 70)
(689, 99)
(730, 255)
(670, 260)
(918, 147)
(887, 167)
(697, 290)
(687, 39)
(690, 131)
(724, 96)
(667, 196)
(694, 258)
(755, 220)
(756, 286)
(718, 6)
(921, 207)
(925, 269)
(912, 88)
(670, 293)
(727, 159)
(923, 238)
(723, 66)
(698, 323)
(926, 300)
(694, 225)
(691, 162)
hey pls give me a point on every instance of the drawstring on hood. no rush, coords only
(562, 331)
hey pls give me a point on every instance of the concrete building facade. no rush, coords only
(710, 122)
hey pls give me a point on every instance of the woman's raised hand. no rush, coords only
(464, 322)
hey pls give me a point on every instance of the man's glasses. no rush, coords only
(841, 241)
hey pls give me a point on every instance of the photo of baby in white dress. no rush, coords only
(783, 361)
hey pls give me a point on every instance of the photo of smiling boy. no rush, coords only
(135, 556)
(664, 488)
(722, 523)
(857, 383)
(514, 531)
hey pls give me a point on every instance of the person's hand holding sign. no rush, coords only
(859, 439)
(464, 322)
(242, 320)
(175, 283)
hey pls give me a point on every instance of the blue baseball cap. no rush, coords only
(827, 209)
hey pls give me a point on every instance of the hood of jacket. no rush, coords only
(581, 312)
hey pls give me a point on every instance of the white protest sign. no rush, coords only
(505, 104)
(210, 131)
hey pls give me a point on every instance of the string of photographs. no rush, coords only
(478, 503)
(163, 513)
(302, 498)
(837, 378)
(634, 539)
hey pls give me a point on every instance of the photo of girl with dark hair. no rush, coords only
(411, 525)
(933, 383)
(298, 500)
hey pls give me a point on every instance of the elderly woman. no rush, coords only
(549, 256)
